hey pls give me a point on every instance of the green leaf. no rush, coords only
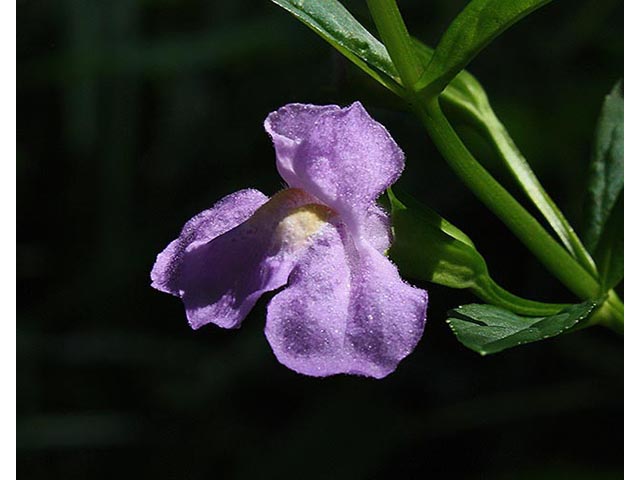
(488, 329)
(519, 168)
(427, 247)
(606, 172)
(609, 253)
(333, 22)
(473, 29)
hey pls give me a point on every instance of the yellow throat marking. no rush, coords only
(301, 223)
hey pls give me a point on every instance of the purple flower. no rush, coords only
(345, 308)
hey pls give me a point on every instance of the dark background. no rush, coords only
(135, 115)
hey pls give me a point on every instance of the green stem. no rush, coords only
(552, 255)
(396, 39)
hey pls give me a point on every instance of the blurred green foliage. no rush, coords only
(133, 116)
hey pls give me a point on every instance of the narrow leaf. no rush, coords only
(473, 29)
(488, 329)
(427, 247)
(609, 253)
(528, 181)
(606, 172)
(333, 22)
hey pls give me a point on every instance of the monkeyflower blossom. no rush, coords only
(344, 307)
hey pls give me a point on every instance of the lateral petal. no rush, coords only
(227, 213)
(220, 279)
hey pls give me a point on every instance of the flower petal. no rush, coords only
(377, 229)
(289, 126)
(220, 279)
(345, 311)
(341, 156)
(387, 315)
(226, 214)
